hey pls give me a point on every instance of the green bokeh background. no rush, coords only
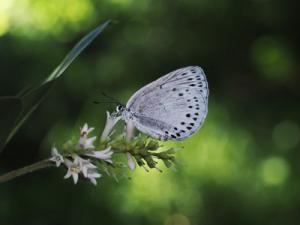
(242, 167)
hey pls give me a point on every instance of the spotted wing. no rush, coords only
(172, 107)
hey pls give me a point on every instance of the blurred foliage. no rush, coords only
(241, 168)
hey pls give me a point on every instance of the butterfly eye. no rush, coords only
(120, 108)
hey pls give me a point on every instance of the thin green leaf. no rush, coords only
(10, 109)
(31, 99)
(79, 47)
(30, 103)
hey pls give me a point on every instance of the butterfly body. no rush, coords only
(171, 107)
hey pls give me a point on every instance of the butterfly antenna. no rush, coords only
(99, 102)
(111, 98)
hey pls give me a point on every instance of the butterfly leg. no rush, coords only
(124, 130)
(163, 137)
(128, 132)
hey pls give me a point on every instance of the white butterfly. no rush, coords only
(171, 107)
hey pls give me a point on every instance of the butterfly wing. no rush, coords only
(172, 107)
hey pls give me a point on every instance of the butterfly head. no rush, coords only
(120, 109)
(124, 112)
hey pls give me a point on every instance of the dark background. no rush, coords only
(241, 168)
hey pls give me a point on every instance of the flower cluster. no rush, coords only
(85, 158)
(79, 162)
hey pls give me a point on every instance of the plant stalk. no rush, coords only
(24, 170)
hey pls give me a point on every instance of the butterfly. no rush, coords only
(172, 107)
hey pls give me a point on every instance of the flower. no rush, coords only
(56, 157)
(88, 170)
(111, 121)
(73, 169)
(85, 142)
(85, 130)
(104, 155)
(84, 165)
(131, 162)
(92, 174)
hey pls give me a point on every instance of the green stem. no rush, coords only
(27, 169)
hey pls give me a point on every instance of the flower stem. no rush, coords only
(24, 170)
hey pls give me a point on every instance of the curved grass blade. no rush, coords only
(10, 110)
(31, 99)
(78, 48)
(31, 102)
